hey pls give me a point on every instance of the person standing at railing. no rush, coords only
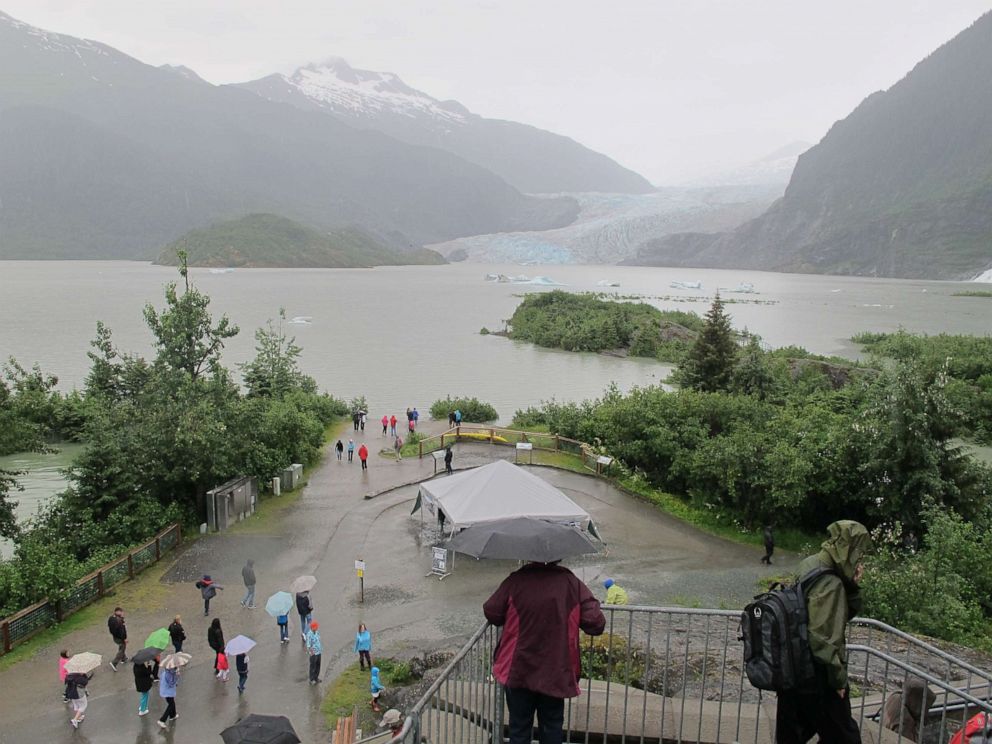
(825, 707)
(541, 608)
(448, 455)
(769, 539)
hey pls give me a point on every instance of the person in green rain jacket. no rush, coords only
(832, 600)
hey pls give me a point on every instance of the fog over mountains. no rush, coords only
(530, 159)
(902, 187)
(103, 156)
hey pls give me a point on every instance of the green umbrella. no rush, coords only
(159, 638)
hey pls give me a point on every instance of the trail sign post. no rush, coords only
(360, 570)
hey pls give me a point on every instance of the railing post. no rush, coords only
(158, 548)
(6, 637)
(557, 443)
(99, 583)
(179, 533)
(420, 449)
(130, 565)
(492, 436)
(58, 611)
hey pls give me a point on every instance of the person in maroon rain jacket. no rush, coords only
(541, 608)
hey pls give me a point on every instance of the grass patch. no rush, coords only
(350, 690)
(144, 592)
(974, 293)
(713, 521)
(563, 460)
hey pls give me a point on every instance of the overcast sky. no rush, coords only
(671, 88)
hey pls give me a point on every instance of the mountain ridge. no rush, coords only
(901, 187)
(531, 159)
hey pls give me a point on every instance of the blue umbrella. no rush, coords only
(279, 603)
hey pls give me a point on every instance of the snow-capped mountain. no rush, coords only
(336, 86)
(774, 169)
(530, 159)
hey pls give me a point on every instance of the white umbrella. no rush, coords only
(176, 660)
(83, 663)
(303, 584)
(279, 603)
(239, 645)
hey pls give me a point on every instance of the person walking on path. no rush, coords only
(351, 449)
(118, 631)
(143, 685)
(362, 421)
(314, 649)
(397, 446)
(363, 646)
(416, 417)
(283, 622)
(63, 660)
(824, 708)
(75, 690)
(615, 594)
(458, 417)
(304, 607)
(541, 608)
(339, 449)
(769, 537)
(241, 664)
(392, 425)
(215, 639)
(385, 424)
(375, 687)
(208, 590)
(448, 455)
(168, 682)
(363, 455)
(356, 418)
(177, 633)
(451, 419)
(248, 574)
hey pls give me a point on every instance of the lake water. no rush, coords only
(405, 336)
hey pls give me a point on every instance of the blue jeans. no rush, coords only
(242, 679)
(284, 632)
(304, 624)
(143, 702)
(249, 596)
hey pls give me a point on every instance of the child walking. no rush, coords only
(63, 660)
(283, 622)
(223, 667)
(375, 686)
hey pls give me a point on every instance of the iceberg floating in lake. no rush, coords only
(686, 285)
(543, 281)
(221, 271)
(742, 288)
(607, 283)
(301, 319)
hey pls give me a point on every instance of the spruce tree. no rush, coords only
(709, 365)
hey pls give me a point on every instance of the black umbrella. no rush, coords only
(257, 729)
(146, 654)
(522, 538)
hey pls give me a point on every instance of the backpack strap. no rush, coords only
(806, 582)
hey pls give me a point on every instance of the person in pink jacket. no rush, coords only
(541, 608)
(63, 660)
(385, 424)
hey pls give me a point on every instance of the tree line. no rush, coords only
(159, 433)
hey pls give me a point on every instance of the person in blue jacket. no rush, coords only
(376, 687)
(168, 681)
(363, 646)
(283, 622)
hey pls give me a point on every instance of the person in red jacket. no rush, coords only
(541, 608)
(363, 455)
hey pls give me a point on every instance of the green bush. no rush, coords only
(474, 411)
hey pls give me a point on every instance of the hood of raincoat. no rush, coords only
(847, 544)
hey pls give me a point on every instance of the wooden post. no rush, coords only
(557, 443)
(6, 637)
(179, 534)
(99, 583)
(130, 565)
(58, 611)
(491, 436)
(420, 449)
(158, 548)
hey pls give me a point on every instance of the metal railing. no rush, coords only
(22, 625)
(677, 675)
(501, 435)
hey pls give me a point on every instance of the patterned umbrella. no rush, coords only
(174, 661)
(303, 584)
(83, 663)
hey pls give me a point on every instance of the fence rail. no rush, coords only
(663, 674)
(22, 625)
(501, 435)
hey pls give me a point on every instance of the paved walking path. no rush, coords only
(330, 526)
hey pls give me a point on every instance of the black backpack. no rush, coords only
(774, 628)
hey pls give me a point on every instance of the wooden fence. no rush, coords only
(31, 620)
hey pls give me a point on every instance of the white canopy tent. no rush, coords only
(497, 491)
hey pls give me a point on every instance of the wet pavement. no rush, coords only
(656, 558)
